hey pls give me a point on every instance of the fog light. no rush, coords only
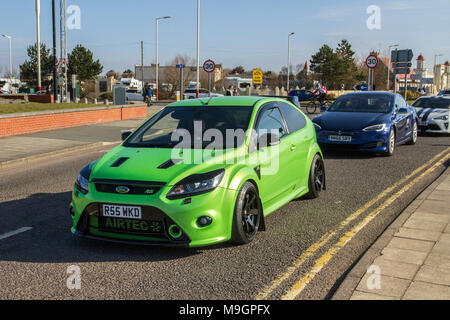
(72, 213)
(204, 221)
(175, 232)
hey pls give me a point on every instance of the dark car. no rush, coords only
(367, 121)
(302, 94)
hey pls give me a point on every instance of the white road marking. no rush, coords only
(13, 233)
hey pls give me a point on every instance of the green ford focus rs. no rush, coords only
(200, 172)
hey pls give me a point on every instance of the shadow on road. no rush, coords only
(50, 240)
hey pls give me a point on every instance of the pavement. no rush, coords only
(411, 259)
(27, 147)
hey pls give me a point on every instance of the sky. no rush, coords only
(251, 33)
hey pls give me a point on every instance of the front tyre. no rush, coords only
(316, 182)
(414, 134)
(247, 215)
(391, 144)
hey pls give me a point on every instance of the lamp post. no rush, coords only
(289, 60)
(38, 13)
(389, 65)
(10, 54)
(198, 49)
(157, 56)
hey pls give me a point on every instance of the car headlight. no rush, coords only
(377, 128)
(196, 184)
(82, 182)
(441, 118)
(317, 126)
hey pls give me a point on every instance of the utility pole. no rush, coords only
(55, 91)
(38, 13)
(10, 55)
(198, 49)
(142, 65)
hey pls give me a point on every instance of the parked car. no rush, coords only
(152, 190)
(368, 121)
(433, 113)
(203, 93)
(134, 95)
(444, 93)
(302, 94)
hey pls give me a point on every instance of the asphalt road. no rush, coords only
(33, 263)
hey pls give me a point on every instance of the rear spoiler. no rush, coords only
(291, 99)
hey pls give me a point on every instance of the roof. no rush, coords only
(420, 57)
(223, 101)
(370, 92)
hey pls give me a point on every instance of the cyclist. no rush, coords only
(323, 92)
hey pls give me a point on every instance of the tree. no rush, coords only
(113, 73)
(81, 63)
(128, 74)
(238, 70)
(171, 74)
(28, 70)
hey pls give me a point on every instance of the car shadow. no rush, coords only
(50, 239)
(347, 154)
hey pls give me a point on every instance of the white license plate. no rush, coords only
(423, 123)
(340, 138)
(114, 211)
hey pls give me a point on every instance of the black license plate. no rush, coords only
(130, 226)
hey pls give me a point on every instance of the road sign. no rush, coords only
(402, 71)
(372, 61)
(364, 87)
(257, 76)
(209, 66)
(396, 65)
(181, 66)
(402, 55)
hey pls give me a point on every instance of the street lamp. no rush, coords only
(38, 13)
(289, 59)
(198, 49)
(157, 55)
(389, 65)
(10, 54)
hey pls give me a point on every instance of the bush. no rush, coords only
(410, 95)
(106, 95)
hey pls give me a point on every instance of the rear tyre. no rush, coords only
(391, 144)
(311, 107)
(316, 182)
(247, 215)
(414, 134)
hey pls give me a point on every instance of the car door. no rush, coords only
(273, 165)
(298, 140)
(402, 120)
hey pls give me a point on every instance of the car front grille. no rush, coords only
(128, 187)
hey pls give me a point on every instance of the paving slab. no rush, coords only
(435, 275)
(418, 234)
(411, 244)
(358, 295)
(427, 291)
(401, 270)
(402, 255)
(425, 225)
(438, 260)
(389, 286)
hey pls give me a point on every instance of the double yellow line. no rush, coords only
(299, 286)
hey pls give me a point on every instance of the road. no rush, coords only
(278, 264)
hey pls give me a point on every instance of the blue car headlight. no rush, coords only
(196, 184)
(82, 182)
(441, 118)
(317, 126)
(377, 128)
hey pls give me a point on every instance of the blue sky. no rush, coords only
(252, 33)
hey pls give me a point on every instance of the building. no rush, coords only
(441, 76)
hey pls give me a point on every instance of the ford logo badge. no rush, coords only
(122, 189)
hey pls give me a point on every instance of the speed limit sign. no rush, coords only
(209, 66)
(371, 61)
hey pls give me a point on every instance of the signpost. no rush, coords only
(209, 66)
(371, 63)
(181, 67)
(257, 76)
(401, 63)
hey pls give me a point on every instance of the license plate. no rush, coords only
(423, 123)
(340, 138)
(115, 211)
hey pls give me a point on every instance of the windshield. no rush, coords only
(367, 103)
(194, 127)
(433, 103)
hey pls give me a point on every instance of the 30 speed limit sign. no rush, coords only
(209, 66)
(371, 61)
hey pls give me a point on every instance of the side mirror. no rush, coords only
(403, 110)
(323, 108)
(268, 140)
(126, 134)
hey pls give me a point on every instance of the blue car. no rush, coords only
(367, 121)
(303, 95)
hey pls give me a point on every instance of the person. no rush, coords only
(322, 93)
(144, 92)
(229, 91)
(149, 92)
(235, 92)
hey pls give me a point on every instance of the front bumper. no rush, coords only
(434, 126)
(217, 205)
(360, 140)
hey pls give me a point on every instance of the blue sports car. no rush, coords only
(367, 121)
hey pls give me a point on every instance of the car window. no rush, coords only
(401, 103)
(295, 120)
(434, 103)
(271, 121)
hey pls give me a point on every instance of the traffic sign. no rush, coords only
(396, 65)
(402, 55)
(181, 66)
(257, 76)
(402, 71)
(364, 87)
(372, 61)
(209, 66)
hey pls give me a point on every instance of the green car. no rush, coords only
(200, 172)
